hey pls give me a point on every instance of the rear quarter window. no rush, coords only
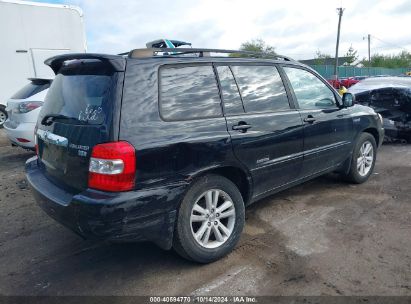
(188, 92)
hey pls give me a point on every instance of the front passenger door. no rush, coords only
(328, 129)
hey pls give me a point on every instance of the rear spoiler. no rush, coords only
(117, 62)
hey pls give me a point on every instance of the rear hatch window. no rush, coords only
(32, 88)
(77, 114)
(82, 93)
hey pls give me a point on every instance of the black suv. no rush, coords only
(170, 146)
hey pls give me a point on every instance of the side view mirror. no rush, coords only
(348, 100)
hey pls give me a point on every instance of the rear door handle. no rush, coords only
(241, 126)
(309, 119)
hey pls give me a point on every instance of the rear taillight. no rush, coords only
(112, 167)
(28, 106)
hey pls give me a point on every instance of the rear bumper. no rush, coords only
(142, 215)
(21, 130)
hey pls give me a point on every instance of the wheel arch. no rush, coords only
(346, 166)
(374, 133)
(240, 177)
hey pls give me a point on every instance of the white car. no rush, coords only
(23, 108)
(3, 115)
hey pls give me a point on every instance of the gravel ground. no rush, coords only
(324, 237)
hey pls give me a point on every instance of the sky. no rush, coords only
(295, 28)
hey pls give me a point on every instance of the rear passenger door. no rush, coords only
(266, 131)
(328, 129)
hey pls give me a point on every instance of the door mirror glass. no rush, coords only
(348, 100)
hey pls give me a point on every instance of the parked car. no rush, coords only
(349, 81)
(390, 97)
(343, 81)
(336, 83)
(359, 78)
(171, 149)
(23, 109)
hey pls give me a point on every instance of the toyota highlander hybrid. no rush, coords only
(170, 147)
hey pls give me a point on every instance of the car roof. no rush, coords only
(199, 52)
(216, 59)
(175, 55)
(184, 55)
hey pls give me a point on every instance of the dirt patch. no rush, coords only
(325, 237)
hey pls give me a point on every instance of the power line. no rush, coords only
(384, 47)
(388, 43)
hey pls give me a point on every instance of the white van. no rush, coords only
(31, 32)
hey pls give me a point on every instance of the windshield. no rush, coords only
(82, 93)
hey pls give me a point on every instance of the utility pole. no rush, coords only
(340, 13)
(369, 49)
(369, 52)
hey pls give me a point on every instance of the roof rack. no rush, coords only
(152, 52)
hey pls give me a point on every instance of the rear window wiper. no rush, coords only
(50, 118)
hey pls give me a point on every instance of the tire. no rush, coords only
(213, 241)
(3, 116)
(359, 173)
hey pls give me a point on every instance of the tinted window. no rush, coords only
(310, 91)
(82, 93)
(31, 89)
(189, 92)
(231, 96)
(261, 88)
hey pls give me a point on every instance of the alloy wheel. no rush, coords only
(365, 158)
(3, 117)
(212, 218)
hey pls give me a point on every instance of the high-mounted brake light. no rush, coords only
(112, 167)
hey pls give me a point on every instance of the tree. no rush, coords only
(320, 57)
(400, 60)
(352, 56)
(257, 46)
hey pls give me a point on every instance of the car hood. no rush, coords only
(370, 84)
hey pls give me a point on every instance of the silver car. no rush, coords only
(23, 109)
